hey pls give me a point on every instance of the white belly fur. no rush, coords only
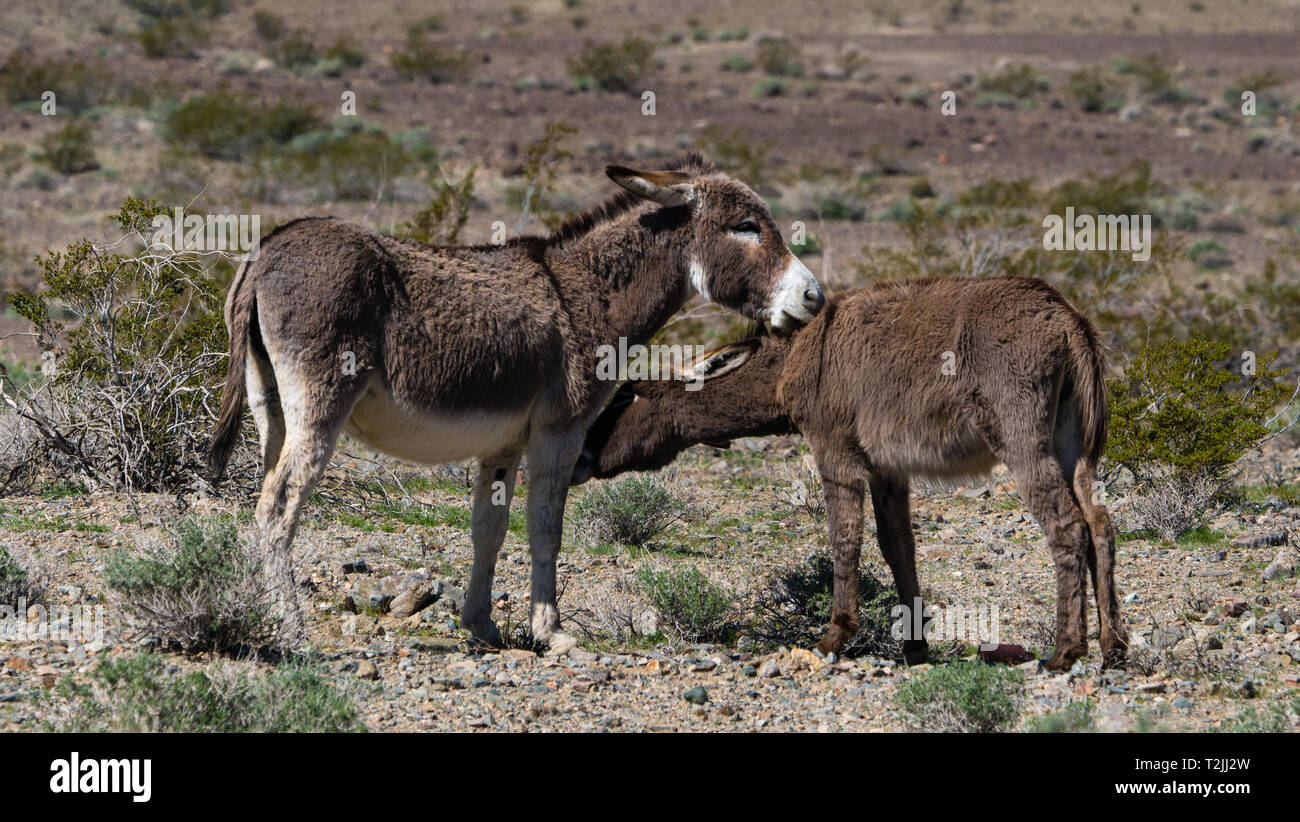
(432, 439)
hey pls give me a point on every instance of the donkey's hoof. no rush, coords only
(832, 643)
(915, 654)
(1115, 658)
(560, 644)
(1063, 660)
(484, 635)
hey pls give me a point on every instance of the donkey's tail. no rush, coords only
(1087, 366)
(240, 306)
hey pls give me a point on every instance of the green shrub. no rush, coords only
(1187, 406)
(69, 149)
(629, 511)
(794, 608)
(295, 50)
(737, 153)
(1127, 191)
(1093, 90)
(77, 84)
(170, 37)
(687, 602)
(350, 161)
(422, 59)
(961, 696)
(226, 125)
(1274, 719)
(1209, 255)
(204, 592)
(1075, 717)
(140, 694)
(442, 219)
(769, 87)
(738, 63)
(779, 56)
(269, 26)
(613, 66)
(1018, 82)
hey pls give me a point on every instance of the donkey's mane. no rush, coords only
(690, 162)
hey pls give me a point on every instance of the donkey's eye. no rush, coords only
(746, 227)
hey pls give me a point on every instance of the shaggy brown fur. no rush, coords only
(438, 354)
(866, 384)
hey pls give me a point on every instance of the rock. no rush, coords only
(518, 655)
(413, 600)
(1182, 703)
(696, 695)
(1034, 667)
(367, 670)
(435, 645)
(749, 670)
(972, 493)
(769, 669)
(800, 659)
(581, 656)
(1213, 643)
(18, 663)
(1005, 654)
(369, 594)
(451, 598)
(1259, 540)
(1249, 626)
(1166, 636)
(1280, 568)
(701, 666)
(1235, 608)
(1151, 688)
(355, 566)
(659, 666)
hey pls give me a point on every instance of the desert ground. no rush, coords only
(506, 114)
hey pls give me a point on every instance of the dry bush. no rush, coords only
(798, 487)
(129, 388)
(23, 580)
(202, 592)
(1170, 503)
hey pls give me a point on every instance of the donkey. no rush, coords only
(939, 378)
(438, 354)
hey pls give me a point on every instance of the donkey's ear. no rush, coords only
(667, 188)
(723, 361)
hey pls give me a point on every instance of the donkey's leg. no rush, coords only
(284, 491)
(264, 402)
(889, 498)
(1049, 498)
(844, 520)
(551, 457)
(493, 491)
(1101, 563)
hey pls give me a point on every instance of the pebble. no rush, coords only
(697, 695)
(367, 670)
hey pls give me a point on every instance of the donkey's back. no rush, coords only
(939, 377)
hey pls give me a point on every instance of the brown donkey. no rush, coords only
(438, 354)
(933, 378)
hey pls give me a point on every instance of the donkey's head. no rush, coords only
(649, 422)
(734, 254)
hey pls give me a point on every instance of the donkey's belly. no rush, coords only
(432, 438)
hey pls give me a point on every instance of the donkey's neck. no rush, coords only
(639, 261)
